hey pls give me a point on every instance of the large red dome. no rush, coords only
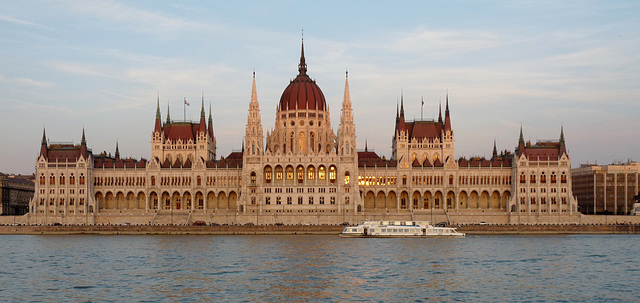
(302, 93)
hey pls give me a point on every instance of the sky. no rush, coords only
(100, 66)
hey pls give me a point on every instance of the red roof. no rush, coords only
(181, 130)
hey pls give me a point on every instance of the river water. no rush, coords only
(81, 268)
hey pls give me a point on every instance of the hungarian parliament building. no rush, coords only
(302, 172)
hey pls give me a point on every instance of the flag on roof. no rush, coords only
(185, 102)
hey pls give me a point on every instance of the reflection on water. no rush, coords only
(318, 268)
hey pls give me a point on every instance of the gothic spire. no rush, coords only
(203, 127)
(563, 147)
(302, 67)
(43, 146)
(168, 116)
(83, 141)
(447, 120)
(440, 113)
(158, 126)
(117, 152)
(210, 124)
(495, 150)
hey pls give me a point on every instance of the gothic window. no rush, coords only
(267, 200)
(199, 180)
(267, 174)
(404, 180)
(533, 178)
(42, 179)
(553, 177)
(302, 143)
(322, 173)
(72, 180)
(278, 200)
(311, 173)
(332, 174)
(543, 178)
(300, 174)
(289, 173)
(321, 200)
(291, 142)
(289, 200)
(81, 179)
(52, 180)
(523, 179)
(563, 178)
(332, 200)
(347, 178)
(450, 179)
(278, 172)
(253, 178)
(310, 200)
(153, 181)
(346, 200)
(311, 140)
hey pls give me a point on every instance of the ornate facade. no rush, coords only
(300, 172)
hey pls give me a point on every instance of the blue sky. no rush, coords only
(65, 65)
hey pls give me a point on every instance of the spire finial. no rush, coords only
(117, 151)
(44, 136)
(84, 141)
(302, 67)
(168, 116)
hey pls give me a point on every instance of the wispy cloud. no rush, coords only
(80, 69)
(21, 22)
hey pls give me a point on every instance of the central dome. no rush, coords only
(302, 93)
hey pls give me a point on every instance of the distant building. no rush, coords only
(16, 191)
(607, 189)
(301, 171)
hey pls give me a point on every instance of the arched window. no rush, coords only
(199, 180)
(42, 179)
(62, 179)
(332, 174)
(311, 173)
(278, 172)
(72, 180)
(311, 141)
(347, 178)
(153, 181)
(532, 179)
(523, 179)
(267, 174)
(553, 177)
(289, 172)
(52, 180)
(404, 180)
(450, 179)
(291, 142)
(300, 174)
(302, 144)
(81, 179)
(543, 179)
(322, 173)
(563, 178)
(253, 178)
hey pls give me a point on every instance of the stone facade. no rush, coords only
(300, 172)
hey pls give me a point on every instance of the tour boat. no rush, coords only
(398, 229)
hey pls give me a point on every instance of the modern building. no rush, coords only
(16, 192)
(608, 189)
(299, 172)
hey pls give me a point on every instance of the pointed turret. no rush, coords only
(210, 124)
(520, 149)
(401, 122)
(440, 113)
(43, 145)
(83, 145)
(168, 116)
(203, 127)
(563, 147)
(253, 133)
(117, 152)
(495, 150)
(302, 66)
(447, 120)
(158, 127)
(346, 131)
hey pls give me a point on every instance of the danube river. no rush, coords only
(81, 268)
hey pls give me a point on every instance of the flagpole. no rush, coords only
(421, 106)
(184, 107)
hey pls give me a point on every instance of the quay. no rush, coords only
(475, 229)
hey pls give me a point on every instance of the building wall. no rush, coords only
(16, 194)
(607, 189)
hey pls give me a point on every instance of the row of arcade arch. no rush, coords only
(436, 200)
(167, 200)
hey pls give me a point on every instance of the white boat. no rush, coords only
(398, 229)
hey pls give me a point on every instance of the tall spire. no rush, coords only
(347, 129)
(447, 121)
(402, 105)
(210, 124)
(495, 150)
(440, 113)
(158, 126)
(83, 145)
(43, 146)
(203, 128)
(562, 134)
(520, 148)
(302, 67)
(168, 116)
(117, 152)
